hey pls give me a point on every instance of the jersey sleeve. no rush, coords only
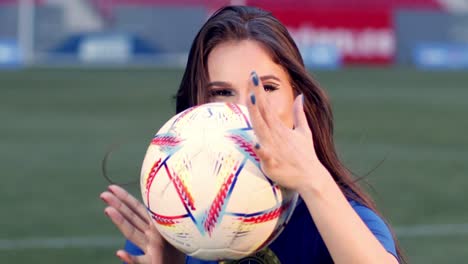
(133, 249)
(190, 260)
(377, 226)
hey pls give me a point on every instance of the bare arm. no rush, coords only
(287, 155)
(346, 236)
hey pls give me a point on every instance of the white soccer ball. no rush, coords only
(203, 187)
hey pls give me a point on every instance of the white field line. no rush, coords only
(432, 230)
(416, 231)
(62, 242)
(400, 152)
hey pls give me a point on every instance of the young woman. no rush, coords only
(246, 56)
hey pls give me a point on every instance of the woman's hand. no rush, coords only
(132, 219)
(287, 155)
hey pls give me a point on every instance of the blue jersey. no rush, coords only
(300, 241)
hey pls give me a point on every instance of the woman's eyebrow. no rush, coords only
(227, 84)
(268, 77)
(218, 83)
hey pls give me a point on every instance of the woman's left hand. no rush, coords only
(287, 155)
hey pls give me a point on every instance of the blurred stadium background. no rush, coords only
(78, 76)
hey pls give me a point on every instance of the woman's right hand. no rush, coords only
(132, 219)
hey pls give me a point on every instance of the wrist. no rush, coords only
(315, 185)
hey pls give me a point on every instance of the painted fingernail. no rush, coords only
(252, 98)
(255, 78)
(257, 146)
(303, 100)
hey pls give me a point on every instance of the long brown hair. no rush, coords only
(236, 23)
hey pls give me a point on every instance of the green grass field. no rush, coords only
(56, 125)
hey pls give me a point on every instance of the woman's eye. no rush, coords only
(270, 87)
(220, 92)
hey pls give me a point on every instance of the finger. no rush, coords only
(130, 201)
(111, 200)
(125, 257)
(258, 123)
(127, 229)
(130, 259)
(264, 155)
(264, 107)
(300, 118)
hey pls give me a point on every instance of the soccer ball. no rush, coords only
(204, 189)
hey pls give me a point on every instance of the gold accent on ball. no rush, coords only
(265, 256)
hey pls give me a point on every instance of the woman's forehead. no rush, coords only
(230, 60)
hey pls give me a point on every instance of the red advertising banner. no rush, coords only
(362, 36)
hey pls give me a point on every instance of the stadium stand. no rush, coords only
(48, 26)
(106, 7)
(173, 37)
(57, 21)
(8, 21)
(350, 4)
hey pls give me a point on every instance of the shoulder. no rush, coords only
(376, 225)
(302, 225)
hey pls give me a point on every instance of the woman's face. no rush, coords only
(229, 67)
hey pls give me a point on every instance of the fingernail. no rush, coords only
(110, 188)
(257, 146)
(255, 78)
(252, 98)
(303, 100)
